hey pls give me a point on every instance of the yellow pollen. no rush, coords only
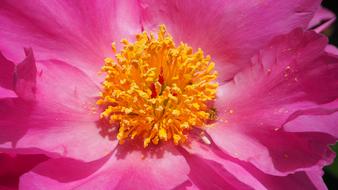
(156, 91)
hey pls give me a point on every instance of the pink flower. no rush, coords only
(276, 103)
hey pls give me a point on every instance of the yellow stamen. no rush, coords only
(157, 91)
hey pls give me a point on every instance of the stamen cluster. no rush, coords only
(156, 91)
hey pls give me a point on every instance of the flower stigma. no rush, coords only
(156, 91)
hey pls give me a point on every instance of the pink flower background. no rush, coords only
(277, 101)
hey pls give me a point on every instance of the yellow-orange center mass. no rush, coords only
(156, 91)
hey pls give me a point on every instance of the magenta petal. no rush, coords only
(231, 31)
(298, 180)
(78, 32)
(20, 78)
(322, 19)
(123, 170)
(209, 174)
(63, 171)
(13, 166)
(60, 118)
(25, 77)
(286, 77)
(332, 50)
(64, 137)
(242, 146)
(6, 73)
(5, 93)
(271, 152)
(324, 121)
(236, 170)
(7, 188)
(292, 78)
(63, 86)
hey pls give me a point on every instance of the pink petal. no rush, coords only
(25, 77)
(20, 78)
(297, 181)
(322, 19)
(292, 77)
(234, 169)
(75, 139)
(231, 31)
(325, 122)
(5, 93)
(124, 169)
(60, 118)
(78, 32)
(331, 49)
(211, 172)
(316, 177)
(63, 86)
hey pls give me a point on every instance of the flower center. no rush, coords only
(157, 91)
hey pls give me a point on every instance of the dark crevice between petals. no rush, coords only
(13, 166)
